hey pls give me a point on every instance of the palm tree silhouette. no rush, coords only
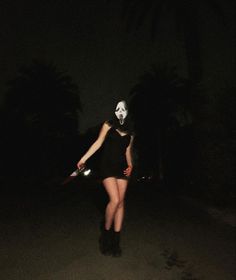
(45, 97)
(187, 21)
(41, 107)
(160, 101)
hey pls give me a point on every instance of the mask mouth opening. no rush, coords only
(121, 119)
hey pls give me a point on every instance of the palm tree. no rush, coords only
(41, 108)
(45, 97)
(160, 102)
(186, 15)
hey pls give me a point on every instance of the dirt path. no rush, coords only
(55, 236)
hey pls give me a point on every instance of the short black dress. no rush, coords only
(113, 159)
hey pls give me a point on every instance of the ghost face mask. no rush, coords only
(121, 111)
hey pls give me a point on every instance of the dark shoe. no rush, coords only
(105, 242)
(116, 250)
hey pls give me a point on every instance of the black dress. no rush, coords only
(113, 159)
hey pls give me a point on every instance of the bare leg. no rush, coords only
(119, 214)
(111, 187)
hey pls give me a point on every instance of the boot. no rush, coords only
(105, 242)
(116, 249)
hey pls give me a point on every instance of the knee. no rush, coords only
(121, 204)
(115, 202)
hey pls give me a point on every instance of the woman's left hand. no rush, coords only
(128, 171)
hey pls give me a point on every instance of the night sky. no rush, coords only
(88, 39)
(182, 193)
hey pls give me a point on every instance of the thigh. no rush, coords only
(122, 187)
(111, 186)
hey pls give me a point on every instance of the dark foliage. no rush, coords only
(163, 108)
(39, 123)
(186, 14)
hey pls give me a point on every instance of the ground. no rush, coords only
(51, 232)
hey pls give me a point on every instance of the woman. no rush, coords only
(116, 137)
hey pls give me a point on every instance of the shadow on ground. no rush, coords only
(51, 232)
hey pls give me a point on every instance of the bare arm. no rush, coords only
(95, 146)
(129, 159)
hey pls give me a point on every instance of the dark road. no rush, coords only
(54, 235)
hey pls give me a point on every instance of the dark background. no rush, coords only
(64, 64)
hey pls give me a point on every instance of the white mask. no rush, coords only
(121, 111)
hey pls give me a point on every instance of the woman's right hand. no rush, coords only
(81, 164)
